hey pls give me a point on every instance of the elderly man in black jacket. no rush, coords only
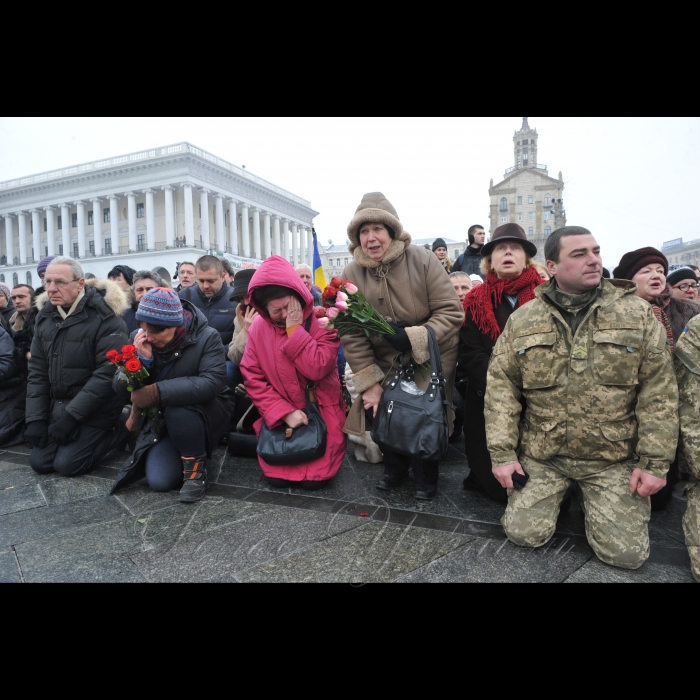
(73, 416)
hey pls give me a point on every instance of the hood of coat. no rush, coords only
(376, 208)
(113, 296)
(277, 271)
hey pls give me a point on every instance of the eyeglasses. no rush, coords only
(61, 284)
(685, 287)
(142, 290)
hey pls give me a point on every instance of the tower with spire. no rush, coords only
(527, 195)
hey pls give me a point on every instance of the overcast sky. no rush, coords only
(631, 180)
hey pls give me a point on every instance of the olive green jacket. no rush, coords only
(607, 395)
(687, 361)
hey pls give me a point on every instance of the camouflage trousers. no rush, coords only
(617, 522)
(691, 525)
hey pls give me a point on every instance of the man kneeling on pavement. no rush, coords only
(687, 359)
(595, 368)
(73, 416)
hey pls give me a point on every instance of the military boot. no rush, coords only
(196, 483)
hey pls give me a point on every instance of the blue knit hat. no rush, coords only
(44, 264)
(161, 307)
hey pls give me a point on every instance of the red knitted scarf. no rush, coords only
(485, 299)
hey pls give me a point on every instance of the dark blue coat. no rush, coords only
(219, 310)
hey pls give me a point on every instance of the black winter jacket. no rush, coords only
(470, 263)
(219, 310)
(7, 313)
(13, 389)
(69, 371)
(23, 342)
(197, 380)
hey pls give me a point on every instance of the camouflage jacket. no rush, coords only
(602, 395)
(687, 361)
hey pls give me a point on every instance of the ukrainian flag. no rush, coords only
(319, 274)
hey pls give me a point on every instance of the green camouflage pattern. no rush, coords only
(617, 522)
(687, 360)
(607, 394)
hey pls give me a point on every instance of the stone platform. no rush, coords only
(71, 530)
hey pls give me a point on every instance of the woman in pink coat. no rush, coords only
(280, 359)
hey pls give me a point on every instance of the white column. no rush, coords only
(97, 223)
(245, 229)
(204, 201)
(295, 244)
(50, 229)
(220, 224)
(114, 223)
(286, 239)
(169, 216)
(267, 235)
(233, 218)
(150, 220)
(38, 229)
(189, 214)
(133, 221)
(65, 230)
(82, 234)
(9, 239)
(302, 245)
(257, 243)
(22, 225)
(310, 247)
(276, 243)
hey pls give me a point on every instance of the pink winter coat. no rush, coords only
(277, 368)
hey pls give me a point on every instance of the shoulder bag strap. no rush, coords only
(437, 375)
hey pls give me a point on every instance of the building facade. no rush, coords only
(528, 196)
(680, 253)
(149, 210)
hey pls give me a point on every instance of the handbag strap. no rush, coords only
(437, 375)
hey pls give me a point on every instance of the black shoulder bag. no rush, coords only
(284, 447)
(411, 425)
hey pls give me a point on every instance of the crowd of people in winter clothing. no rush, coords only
(563, 381)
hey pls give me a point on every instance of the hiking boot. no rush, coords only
(196, 483)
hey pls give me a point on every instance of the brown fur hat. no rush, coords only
(375, 209)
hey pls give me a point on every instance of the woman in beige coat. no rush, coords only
(407, 285)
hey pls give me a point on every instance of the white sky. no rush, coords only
(631, 180)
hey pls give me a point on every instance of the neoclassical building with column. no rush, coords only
(149, 210)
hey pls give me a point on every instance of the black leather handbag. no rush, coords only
(284, 447)
(412, 425)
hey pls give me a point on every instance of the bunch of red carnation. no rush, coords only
(128, 361)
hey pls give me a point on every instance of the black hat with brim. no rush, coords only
(509, 232)
(241, 282)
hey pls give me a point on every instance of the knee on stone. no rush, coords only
(66, 466)
(40, 466)
(629, 560)
(526, 536)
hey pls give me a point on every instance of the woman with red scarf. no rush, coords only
(510, 284)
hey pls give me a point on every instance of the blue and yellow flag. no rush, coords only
(319, 273)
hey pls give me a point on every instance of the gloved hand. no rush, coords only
(37, 434)
(400, 341)
(65, 431)
(146, 397)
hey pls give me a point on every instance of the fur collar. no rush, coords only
(678, 311)
(396, 250)
(114, 297)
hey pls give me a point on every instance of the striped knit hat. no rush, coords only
(161, 307)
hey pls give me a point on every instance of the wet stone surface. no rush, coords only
(73, 530)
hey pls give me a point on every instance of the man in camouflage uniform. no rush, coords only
(687, 360)
(594, 366)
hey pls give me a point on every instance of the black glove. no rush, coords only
(400, 341)
(37, 434)
(65, 431)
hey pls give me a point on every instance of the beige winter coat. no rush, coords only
(409, 286)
